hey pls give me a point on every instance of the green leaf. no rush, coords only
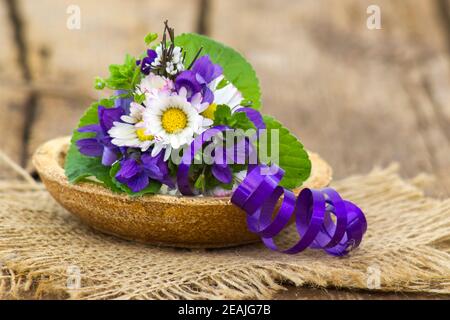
(222, 84)
(149, 38)
(293, 159)
(152, 188)
(139, 98)
(236, 69)
(124, 76)
(78, 166)
(237, 120)
(222, 115)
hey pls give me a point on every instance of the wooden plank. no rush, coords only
(12, 123)
(61, 56)
(339, 86)
(12, 102)
(63, 75)
(55, 116)
(9, 69)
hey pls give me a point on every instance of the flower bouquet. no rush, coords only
(180, 154)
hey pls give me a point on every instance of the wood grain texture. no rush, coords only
(346, 91)
(9, 68)
(108, 31)
(12, 102)
(55, 116)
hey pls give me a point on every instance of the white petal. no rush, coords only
(196, 98)
(203, 107)
(174, 141)
(207, 122)
(156, 149)
(128, 119)
(167, 154)
(182, 92)
(145, 145)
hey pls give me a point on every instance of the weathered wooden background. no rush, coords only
(359, 97)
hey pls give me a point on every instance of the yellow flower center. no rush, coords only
(174, 120)
(142, 136)
(209, 112)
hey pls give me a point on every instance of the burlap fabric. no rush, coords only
(46, 252)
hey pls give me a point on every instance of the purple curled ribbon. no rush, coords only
(259, 194)
(313, 210)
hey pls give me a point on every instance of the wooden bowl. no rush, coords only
(190, 222)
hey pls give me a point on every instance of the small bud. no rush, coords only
(99, 83)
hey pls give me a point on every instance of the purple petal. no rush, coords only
(138, 182)
(222, 173)
(151, 54)
(208, 95)
(90, 128)
(109, 156)
(217, 71)
(150, 165)
(147, 61)
(157, 168)
(200, 79)
(128, 169)
(188, 80)
(123, 103)
(147, 159)
(146, 66)
(206, 69)
(90, 147)
(107, 116)
(254, 116)
(167, 180)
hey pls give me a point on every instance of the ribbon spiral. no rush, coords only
(258, 196)
(313, 210)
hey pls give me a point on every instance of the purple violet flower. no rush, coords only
(137, 172)
(222, 172)
(123, 103)
(146, 63)
(100, 145)
(197, 79)
(205, 70)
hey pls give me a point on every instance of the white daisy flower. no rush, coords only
(196, 102)
(173, 121)
(131, 132)
(228, 95)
